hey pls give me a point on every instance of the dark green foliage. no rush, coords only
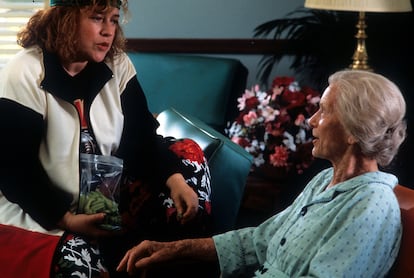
(327, 42)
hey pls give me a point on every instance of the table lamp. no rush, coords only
(360, 57)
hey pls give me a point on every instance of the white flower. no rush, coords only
(289, 141)
(269, 114)
(301, 136)
(263, 98)
(294, 87)
(258, 160)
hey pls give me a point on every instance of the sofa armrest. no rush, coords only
(403, 266)
(229, 164)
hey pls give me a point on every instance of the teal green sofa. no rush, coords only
(203, 86)
(194, 97)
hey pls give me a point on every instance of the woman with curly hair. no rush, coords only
(72, 91)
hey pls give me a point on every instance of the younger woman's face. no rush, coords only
(97, 33)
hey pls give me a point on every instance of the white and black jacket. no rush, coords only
(40, 133)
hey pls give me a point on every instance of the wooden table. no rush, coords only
(262, 198)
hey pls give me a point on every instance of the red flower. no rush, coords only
(280, 157)
(188, 149)
(251, 102)
(284, 81)
(240, 141)
(293, 99)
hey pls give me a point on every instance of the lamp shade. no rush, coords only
(361, 5)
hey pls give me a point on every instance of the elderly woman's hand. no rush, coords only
(149, 254)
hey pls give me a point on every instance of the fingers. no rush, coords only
(185, 214)
(191, 207)
(136, 258)
(88, 225)
(130, 264)
(123, 263)
(97, 218)
(189, 214)
(150, 254)
(180, 209)
(128, 261)
(184, 197)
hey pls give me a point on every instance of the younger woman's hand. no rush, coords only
(84, 224)
(184, 198)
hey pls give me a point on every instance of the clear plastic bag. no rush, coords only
(100, 187)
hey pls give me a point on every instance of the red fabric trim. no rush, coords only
(25, 254)
(80, 107)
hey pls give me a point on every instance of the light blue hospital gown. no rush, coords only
(350, 230)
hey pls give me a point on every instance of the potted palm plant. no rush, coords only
(327, 42)
(323, 37)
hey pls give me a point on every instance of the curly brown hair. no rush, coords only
(55, 29)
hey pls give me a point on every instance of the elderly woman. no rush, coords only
(345, 223)
(72, 92)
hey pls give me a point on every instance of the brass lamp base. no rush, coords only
(360, 57)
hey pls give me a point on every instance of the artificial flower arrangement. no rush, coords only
(273, 126)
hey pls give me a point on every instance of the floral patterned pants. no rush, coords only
(79, 258)
(145, 215)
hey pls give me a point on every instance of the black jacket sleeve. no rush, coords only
(145, 153)
(22, 178)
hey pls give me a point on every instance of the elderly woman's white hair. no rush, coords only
(372, 109)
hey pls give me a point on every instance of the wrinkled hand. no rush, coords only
(148, 254)
(184, 198)
(84, 224)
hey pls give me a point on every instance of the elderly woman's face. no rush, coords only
(97, 33)
(330, 137)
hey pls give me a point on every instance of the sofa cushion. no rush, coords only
(203, 86)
